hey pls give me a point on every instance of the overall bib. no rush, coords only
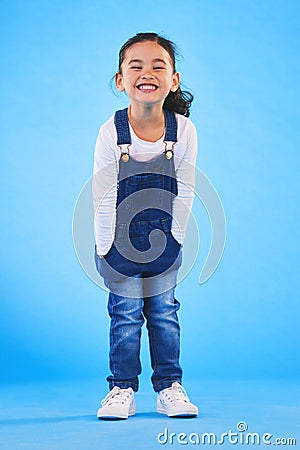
(140, 269)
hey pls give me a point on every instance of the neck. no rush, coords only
(148, 122)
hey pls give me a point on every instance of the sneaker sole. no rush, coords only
(115, 416)
(183, 413)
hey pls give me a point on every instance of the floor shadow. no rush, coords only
(148, 415)
(155, 415)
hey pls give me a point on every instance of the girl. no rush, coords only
(143, 189)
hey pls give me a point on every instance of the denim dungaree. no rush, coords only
(141, 269)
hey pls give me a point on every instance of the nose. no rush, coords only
(148, 74)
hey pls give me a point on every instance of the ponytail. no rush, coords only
(179, 102)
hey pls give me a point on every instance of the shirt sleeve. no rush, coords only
(185, 174)
(104, 186)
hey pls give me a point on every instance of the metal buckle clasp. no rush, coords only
(169, 151)
(124, 155)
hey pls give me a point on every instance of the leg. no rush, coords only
(160, 310)
(125, 332)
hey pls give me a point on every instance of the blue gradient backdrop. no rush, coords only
(241, 60)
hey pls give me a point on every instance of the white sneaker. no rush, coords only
(118, 404)
(174, 402)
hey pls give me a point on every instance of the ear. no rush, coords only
(175, 81)
(119, 82)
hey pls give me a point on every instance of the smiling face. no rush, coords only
(147, 74)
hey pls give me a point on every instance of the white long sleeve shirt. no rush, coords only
(105, 178)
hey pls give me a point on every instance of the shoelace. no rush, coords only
(177, 393)
(116, 395)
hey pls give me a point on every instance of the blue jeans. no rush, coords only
(139, 292)
(127, 317)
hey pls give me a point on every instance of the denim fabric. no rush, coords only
(127, 317)
(140, 269)
(121, 261)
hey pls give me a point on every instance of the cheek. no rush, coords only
(127, 80)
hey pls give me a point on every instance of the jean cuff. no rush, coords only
(123, 385)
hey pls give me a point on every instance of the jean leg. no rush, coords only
(164, 338)
(125, 333)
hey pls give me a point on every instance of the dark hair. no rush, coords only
(178, 101)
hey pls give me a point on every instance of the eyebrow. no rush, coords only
(140, 61)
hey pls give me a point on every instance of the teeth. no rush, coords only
(147, 87)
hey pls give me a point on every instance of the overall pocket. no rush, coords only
(145, 191)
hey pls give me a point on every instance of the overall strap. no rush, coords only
(122, 127)
(171, 126)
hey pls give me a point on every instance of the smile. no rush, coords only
(147, 87)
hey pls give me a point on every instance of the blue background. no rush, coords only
(241, 61)
(240, 330)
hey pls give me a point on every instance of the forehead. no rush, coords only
(147, 51)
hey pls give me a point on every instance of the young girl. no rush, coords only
(143, 190)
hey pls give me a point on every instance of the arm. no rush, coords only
(185, 174)
(105, 180)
